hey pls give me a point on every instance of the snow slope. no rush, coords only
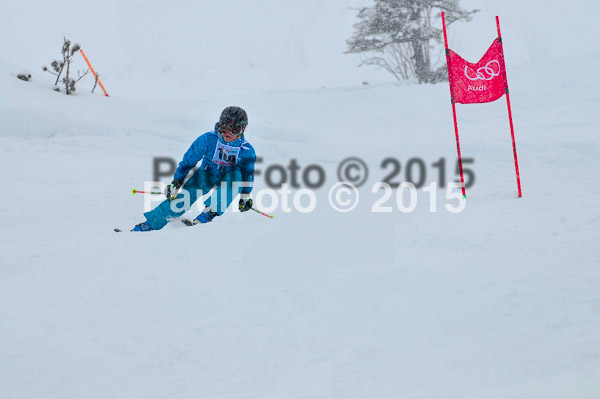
(498, 301)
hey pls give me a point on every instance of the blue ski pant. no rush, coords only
(226, 188)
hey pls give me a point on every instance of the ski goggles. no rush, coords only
(238, 130)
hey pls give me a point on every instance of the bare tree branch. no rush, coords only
(59, 66)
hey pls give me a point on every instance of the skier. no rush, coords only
(227, 166)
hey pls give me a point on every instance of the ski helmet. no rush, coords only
(233, 119)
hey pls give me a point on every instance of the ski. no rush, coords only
(188, 222)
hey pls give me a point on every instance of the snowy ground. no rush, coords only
(498, 301)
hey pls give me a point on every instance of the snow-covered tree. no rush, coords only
(400, 33)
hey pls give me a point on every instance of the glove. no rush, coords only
(245, 202)
(172, 189)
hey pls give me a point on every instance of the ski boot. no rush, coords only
(142, 227)
(206, 216)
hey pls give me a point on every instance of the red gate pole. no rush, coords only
(512, 130)
(462, 179)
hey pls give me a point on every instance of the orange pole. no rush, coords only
(96, 76)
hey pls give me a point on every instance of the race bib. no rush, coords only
(225, 155)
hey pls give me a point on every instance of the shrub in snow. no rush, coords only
(58, 67)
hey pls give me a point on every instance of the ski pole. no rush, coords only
(134, 192)
(262, 213)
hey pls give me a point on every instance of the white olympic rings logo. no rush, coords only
(480, 75)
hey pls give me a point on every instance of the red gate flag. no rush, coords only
(482, 82)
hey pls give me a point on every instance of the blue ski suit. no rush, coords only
(226, 167)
